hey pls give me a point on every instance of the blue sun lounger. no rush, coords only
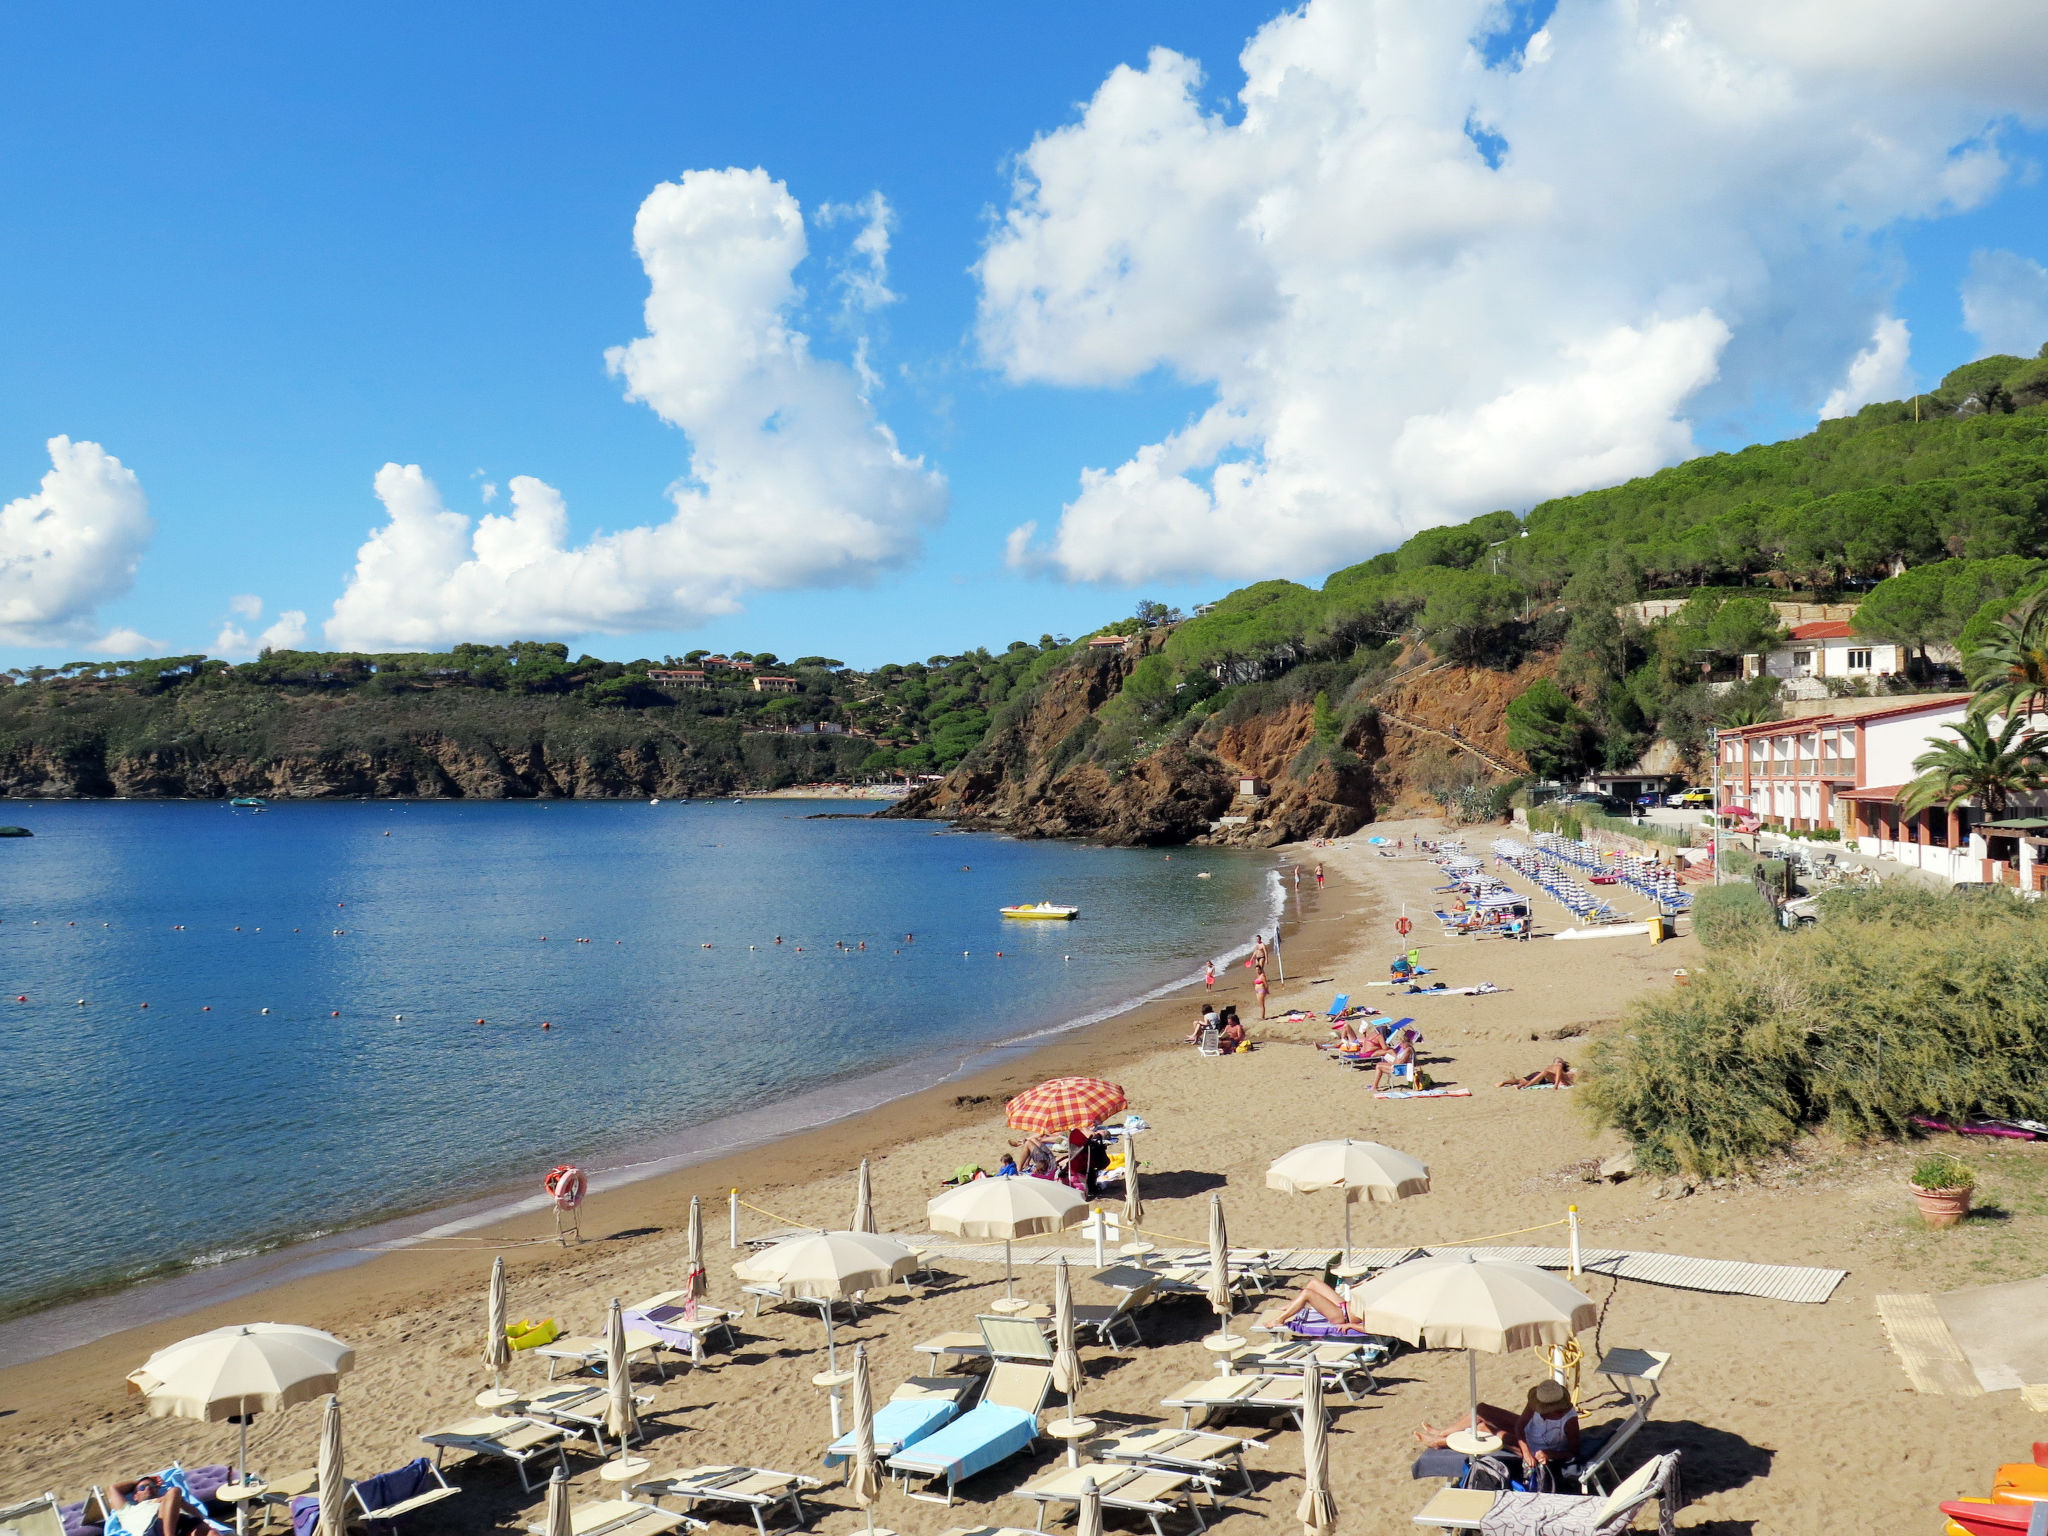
(1003, 1424)
(919, 1408)
(1338, 1005)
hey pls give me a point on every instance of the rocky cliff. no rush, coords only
(1255, 772)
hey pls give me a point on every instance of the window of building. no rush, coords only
(1802, 658)
(1859, 661)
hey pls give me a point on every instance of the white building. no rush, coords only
(1826, 649)
(1844, 766)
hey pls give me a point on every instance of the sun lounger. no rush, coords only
(622, 1517)
(1004, 1338)
(379, 1500)
(521, 1441)
(918, 1408)
(1148, 1491)
(1343, 1362)
(1338, 1004)
(1553, 1514)
(1101, 1323)
(580, 1409)
(755, 1489)
(32, 1517)
(582, 1352)
(1636, 1376)
(776, 1296)
(1182, 1450)
(1003, 1424)
(663, 1318)
(197, 1484)
(1218, 1395)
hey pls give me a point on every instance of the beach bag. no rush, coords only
(1490, 1474)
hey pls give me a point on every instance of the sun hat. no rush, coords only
(1548, 1393)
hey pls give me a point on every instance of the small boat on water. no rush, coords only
(249, 803)
(1044, 909)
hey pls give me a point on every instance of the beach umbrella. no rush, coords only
(1008, 1209)
(1317, 1511)
(1064, 1104)
(695, 1286)
(827, 1267)
(231, 1374)
(1219, 1267)
(1088, 1519)
(864, 1478)
(1066, 1353)
(558, 1522)
(1364, 1170)
(618, 1408)
(863, 1200)
(1457, 1301)
(1134, 1202)
(497, 1347)
(332, 1486)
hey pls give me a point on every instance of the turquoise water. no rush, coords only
(378, 935)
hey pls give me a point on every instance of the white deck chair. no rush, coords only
(1218, 1395)
(1103, 1322)
(32, 1517)
(1554, 1514)
(623, 1517)
(521, 1441)
(1183, 1450)
(755, 1489)
(1147, 1491)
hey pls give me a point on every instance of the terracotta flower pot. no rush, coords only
(1943, 1207)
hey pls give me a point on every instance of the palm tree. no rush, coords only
(1991, 769)
(2009, 671)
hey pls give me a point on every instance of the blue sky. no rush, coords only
(258, 252)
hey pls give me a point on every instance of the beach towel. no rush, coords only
(970, 1444)
(1423, 1093)
(897, 1424)
(387, 1489)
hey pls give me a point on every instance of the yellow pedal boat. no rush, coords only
(1044, 909)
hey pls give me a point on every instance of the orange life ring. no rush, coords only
(566, 1185)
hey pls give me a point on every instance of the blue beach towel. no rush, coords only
(897, 1424)
(973, 1443)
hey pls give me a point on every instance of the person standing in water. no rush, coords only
(1319, 877)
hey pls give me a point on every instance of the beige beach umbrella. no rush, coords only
(864, 1478)
(1066, 1355)
(1457, 1301)
(696, 1284)
(863, 1200)
(331, 1485)
(1219, 1268)
(827, 1267)
(497, 1347)
(1134, 1202)
(618, 1409)
(231, 1374)
(558, 1522)
(1363, 1170)
(1317, 1511)
(1088, 1519)
(1006, 1208)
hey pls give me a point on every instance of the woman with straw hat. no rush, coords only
(1544, 1433)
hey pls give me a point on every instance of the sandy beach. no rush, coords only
(1793, 1418)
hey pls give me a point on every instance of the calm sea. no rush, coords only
(344, 1002)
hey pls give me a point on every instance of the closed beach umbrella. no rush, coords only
(1064, 1104)
(1317, 1511)
(332, 1485)
(1219, 1267)
(1088, 1520)
(863, 1200)
(1008, 1209)
(1134, 1202)
(864, 1480)
(237, 1372)
(695, 1284)
(618, 1408)
(497, 1347)
(1363, 1170)
(828, 1267)
(1066, 1354)
(558, 1522)
(1461, 1302)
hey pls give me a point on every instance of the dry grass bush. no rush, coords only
(1726, 915)
(1901, 1003)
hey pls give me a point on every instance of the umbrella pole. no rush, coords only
(1009, 1290)
(1347, 1234)
(1472, 1389)
(831, 1351)
(242, 1474)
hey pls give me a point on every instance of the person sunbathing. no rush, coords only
(1326, 1301)
(1232, 1037)
(1558, 1074)
(1398, 1064)
(1546, 1431)
(151, 1507)
(1365, 1044)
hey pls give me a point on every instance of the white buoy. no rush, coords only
(266, 1010)
(399, 1016)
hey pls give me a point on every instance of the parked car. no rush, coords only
(1697, 799)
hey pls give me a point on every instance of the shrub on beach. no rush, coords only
(1900, 1003)
(1724, 915)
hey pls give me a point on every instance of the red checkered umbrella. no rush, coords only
(1065, 1104)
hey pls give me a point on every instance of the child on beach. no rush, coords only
(1007, 1168)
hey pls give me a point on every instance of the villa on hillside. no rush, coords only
(1828, 648)
(767, 684)
(1845, 764)
(678, 677)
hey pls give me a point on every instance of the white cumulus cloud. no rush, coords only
(2005, 302)
(1881, 371)
(286, 633)
(1419, 287)
(793, 481)
(71, 546)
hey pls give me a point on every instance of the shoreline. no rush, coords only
(649, 1178)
